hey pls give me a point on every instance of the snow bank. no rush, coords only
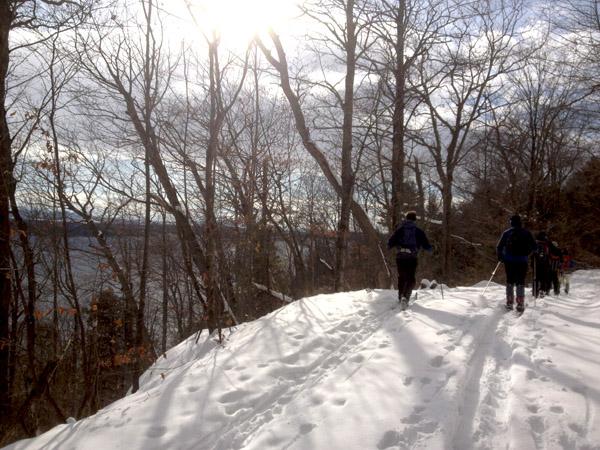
(351, 371)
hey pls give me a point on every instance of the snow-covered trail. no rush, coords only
(532, 379)
(351, 371)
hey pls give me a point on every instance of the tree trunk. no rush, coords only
(398, 151)
(447, 220)
(420, 190)
(5, 176)
(211, 275)
(347, 176)
(165, 287)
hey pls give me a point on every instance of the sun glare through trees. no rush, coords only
(236, 22)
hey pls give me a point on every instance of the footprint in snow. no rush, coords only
(410, 435)
(425, 380)
(233, 396)
(427, 427)
(306, 428)
(531, 375)
(389, 439)
(408, 381)
(437, 361)
(284, 399)
(156, 432)
(544, 361)
(192, 388)
(557, 409)
(339, 401)
(577, 429)
(291, 359)
(333, 361)
(316, 400)
(533, 408)
(412, 419)
(537, 424)
(357, 358)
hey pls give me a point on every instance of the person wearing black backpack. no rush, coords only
(547, 260)
(408, 239)
(513, 249)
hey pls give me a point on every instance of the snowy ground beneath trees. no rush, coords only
(351, 371)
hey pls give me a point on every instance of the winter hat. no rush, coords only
(515, 221)
(411, 215)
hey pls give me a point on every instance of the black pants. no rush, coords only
(543, 278)
(407, 267)
(515, 276)
(556, 282)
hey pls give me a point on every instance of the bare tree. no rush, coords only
(407, 30)
(281, 66)
(456, 83)
(46, 17)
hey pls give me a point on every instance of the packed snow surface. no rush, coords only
(350, 371)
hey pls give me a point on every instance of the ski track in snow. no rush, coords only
(351, 371)
(483, 380)
(297, 381)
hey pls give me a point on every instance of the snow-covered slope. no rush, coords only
(350, 371)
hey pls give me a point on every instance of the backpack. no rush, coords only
(408, 240)
(516, 243)
(542, 251)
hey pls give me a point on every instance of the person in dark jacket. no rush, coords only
(546, 262)
(407, 239)
(513, 249)
(566, 269)
(556, 257)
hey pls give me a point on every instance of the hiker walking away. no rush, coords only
(407, 239)
(513, 249)
(555, 260)
(542, 264)
(566, 269)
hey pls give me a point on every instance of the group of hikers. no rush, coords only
(550, 264)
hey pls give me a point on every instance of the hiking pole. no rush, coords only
(387, 267)
(492, 277)
(535, 283)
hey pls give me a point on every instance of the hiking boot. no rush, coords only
(403, 303)
(520, 304)
(509, 302)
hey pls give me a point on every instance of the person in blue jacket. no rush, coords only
(513, 249)
(408, 239)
